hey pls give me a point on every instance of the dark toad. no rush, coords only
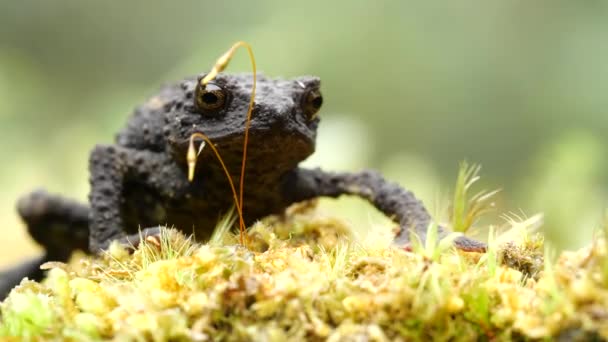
(142, 181)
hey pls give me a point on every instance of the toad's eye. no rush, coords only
(210, 98)
(312, 102)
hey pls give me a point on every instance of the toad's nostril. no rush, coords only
(275, 109)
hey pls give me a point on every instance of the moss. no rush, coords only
(303, 277)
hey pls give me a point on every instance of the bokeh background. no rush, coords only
(411, 88)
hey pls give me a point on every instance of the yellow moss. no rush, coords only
(582, 289)
(455, 305)
(206, 257)
(195, 304)
(91, 324)
(143, 321)
(311, 284)
(91, 297)
(160, 283)
(357, 304)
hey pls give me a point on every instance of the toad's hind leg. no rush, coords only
(60, 225)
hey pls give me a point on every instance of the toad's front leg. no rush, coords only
(390, 198)
(111, 169)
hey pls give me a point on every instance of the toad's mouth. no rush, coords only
(262, 138)
(281, 149)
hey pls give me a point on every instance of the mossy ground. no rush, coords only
(304, 277)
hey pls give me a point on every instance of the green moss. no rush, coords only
(28, 312)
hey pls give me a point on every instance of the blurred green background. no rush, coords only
(411, 88)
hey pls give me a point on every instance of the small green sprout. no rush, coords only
(222, 228)
(556, 300)
(466, 211)
(170, 244)
(433, 247)
(490, 258)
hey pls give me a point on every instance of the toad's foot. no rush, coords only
(469, 245)
(58, 224)
(132, 242)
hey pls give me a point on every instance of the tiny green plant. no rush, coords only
(467, 210)
(168, 245)
(433, 246)
(222, 229)
(554, 300)
(490, 258)
(520, 227)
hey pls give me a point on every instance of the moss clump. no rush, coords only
(304, 278)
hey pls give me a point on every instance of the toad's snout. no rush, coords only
(277, 110)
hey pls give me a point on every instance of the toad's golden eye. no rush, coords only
(312, 102)
(210, 98)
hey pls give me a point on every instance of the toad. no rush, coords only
(141, 181)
